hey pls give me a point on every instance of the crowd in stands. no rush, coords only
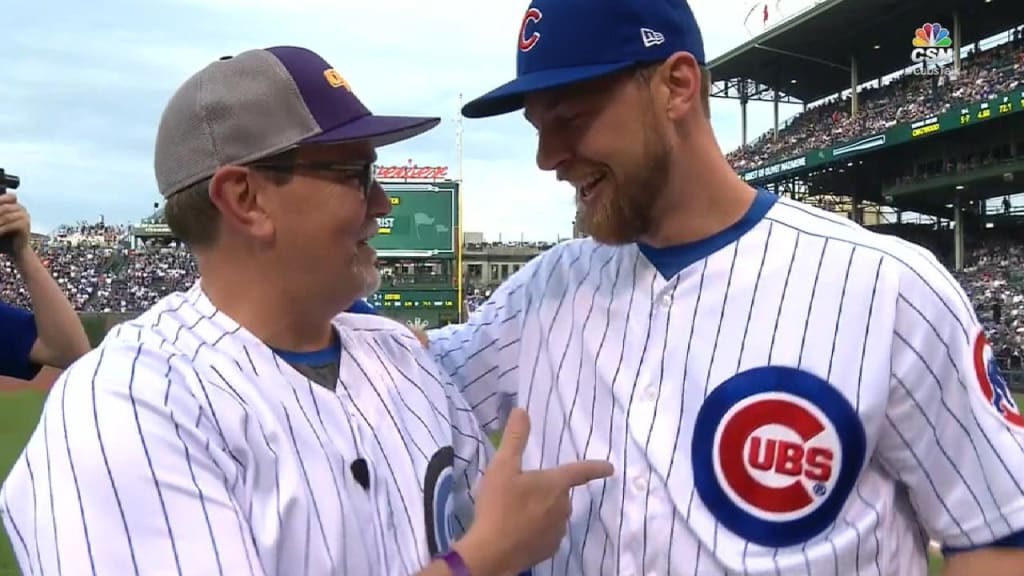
(105, 274)
(144, 276)
(994, 280)
(78, 270)
(89, 234)
(902, 100)
(531, 245)
(114, 276)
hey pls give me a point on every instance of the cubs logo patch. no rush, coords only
(526, 43)
(776, 452)
(438, 488)
(992, 384)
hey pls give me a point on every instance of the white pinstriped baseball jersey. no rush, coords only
(184, 445)
(795, 395)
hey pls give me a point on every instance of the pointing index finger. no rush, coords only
(579, 473)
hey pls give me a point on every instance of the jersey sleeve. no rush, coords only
(953, 434)
(470, 449)
(481, 356)
(17, 336)
(473, 451)
(125, 474)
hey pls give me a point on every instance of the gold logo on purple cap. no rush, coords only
(336, 80)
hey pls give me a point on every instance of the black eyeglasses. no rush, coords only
(364, 172)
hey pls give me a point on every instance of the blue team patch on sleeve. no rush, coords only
(17, 336)
(993, 385)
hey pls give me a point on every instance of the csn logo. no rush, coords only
(932, 44)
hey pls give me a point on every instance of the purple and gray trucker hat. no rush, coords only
(261, 102)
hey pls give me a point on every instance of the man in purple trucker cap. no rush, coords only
(250, 425)
(780, 390)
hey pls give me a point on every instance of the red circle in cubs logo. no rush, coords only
(777, 456)
(993, 385)
(776, 452)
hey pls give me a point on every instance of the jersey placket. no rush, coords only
(371, 500)
(640, 484)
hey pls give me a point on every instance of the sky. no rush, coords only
(83, 85)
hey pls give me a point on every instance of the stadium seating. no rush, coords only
(994, 280)
(902, 100)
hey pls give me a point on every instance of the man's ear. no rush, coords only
(683, 82)
(239, 202)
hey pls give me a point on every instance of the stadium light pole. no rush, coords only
(458, 203)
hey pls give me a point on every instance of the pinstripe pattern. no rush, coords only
(183, 445)
(876, 317)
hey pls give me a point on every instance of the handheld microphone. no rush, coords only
(7, 181)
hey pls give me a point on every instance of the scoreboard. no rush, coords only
(422, 230)
(423, 220)
(955, 118)
(423, 299)
(1002, 105)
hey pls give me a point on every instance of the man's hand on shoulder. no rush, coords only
(419, 330)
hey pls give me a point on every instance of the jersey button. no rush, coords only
(640, 484)
(666, 300)
(650, 393)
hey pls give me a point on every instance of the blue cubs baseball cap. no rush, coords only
(562, 42)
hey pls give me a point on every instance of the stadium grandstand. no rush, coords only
(908, 124)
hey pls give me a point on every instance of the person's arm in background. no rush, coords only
(17, 336)
(60, 338)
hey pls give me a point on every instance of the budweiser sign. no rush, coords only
(412, 172)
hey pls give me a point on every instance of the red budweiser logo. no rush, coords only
(412, 172)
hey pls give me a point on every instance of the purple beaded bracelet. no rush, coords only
(455, 563)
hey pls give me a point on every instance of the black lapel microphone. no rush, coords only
(361, 472)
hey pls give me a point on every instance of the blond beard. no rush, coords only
(620, 217)
(626, 211)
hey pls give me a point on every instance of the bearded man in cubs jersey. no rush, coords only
(248, 426)
(780, 390)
